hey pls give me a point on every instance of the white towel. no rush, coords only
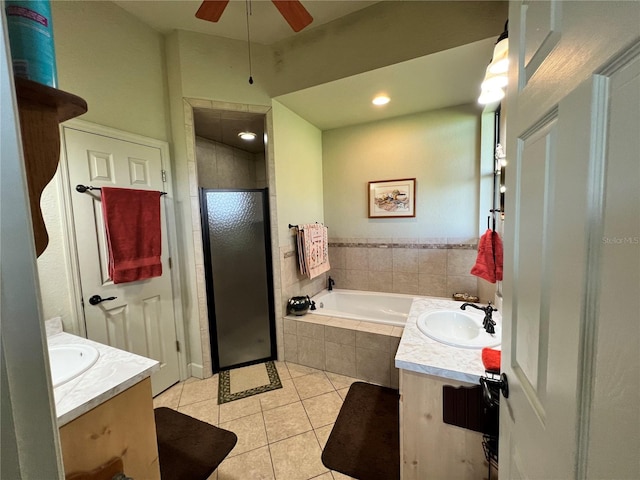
(313, 249)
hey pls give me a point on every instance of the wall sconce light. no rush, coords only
(495, 78)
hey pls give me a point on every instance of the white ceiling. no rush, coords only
(446, 78)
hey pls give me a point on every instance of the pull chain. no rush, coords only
(248, 8)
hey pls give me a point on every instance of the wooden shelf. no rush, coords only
(42, 109)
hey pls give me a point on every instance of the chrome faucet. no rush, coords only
(330, 284)
(488, 323)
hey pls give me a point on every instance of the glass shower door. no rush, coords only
(238, 271)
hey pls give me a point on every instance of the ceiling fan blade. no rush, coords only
(294, 13)
(211, 10)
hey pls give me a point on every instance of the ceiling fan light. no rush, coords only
(247, 136)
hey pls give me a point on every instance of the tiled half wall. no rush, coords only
(356, 349)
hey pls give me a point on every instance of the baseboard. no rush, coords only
(196, 370)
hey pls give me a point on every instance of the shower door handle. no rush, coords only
(96, 299)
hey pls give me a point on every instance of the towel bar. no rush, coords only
(296, 226)
(84, 188)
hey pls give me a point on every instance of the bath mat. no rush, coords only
(246, 381)
(365, 440)
(189, 449)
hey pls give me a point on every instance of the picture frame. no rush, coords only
(392, 198)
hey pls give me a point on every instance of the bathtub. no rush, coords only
(386, 308)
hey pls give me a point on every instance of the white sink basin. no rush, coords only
(458, 329)
(69, 361)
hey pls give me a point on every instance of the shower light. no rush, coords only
(247, 135)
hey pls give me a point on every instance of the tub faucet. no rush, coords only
(488, 323)
(330, 284)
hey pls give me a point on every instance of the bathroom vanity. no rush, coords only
(105, 414)
(430, 448)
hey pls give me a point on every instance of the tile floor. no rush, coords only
(281, 433)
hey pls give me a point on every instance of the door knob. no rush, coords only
(96, 299)
(491, 387)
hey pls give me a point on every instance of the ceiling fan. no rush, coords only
(292, 10)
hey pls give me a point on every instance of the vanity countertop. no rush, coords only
(114, 372)
(421, 354)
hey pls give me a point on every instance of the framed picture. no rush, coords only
(392, 198)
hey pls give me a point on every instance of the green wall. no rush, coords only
(440, 149)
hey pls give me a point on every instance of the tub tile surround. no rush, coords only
(341, 346)
(437, 267)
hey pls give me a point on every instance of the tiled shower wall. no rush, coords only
(222, 166)
(431, 267)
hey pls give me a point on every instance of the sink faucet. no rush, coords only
(488, 323)
(330, 284)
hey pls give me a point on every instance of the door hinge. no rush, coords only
(170, 263)
(178, 345)
(164, 175)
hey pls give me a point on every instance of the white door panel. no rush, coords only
(141, 317)
(573, 124)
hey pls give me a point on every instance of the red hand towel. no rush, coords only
(134, 239)
(498, 255)
(485, 265)
(491, 359)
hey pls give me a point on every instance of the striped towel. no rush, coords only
(313, 249)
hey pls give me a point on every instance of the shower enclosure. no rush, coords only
(238, 271)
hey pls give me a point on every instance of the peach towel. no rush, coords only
(489, 261)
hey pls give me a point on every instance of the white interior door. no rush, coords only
(140, 319)
(573, 124)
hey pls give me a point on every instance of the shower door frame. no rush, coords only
(209, 283)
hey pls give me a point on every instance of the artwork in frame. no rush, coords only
(392, 198)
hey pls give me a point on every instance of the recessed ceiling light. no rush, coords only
(247, 135)
(381, 100)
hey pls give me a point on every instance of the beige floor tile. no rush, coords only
(324, 476)
(322, 434)
(250, 431)
(199, 390)
(213, 476)
(286, 421)
(341, 476)
(206, 411)
(282, 396)
(296, 370)
(340, 381)
(323, 409)
(169, 398)
(254, 465)
(297, 458)
(283, 371)
(312, 385)
(239, 408)
(343, 392)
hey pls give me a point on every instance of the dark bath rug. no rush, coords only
(365, 440)
(189, 449)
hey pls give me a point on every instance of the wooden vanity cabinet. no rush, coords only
(41, 109)
(122, 428)
(430, 448)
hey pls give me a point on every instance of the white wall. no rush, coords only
(115, 63)
(440, 149)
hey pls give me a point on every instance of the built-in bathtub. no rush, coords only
(350, 333)
(385, 308)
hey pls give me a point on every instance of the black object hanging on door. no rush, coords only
(239, 280)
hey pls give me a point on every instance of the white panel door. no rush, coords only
(141, 317)
(574, 69)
